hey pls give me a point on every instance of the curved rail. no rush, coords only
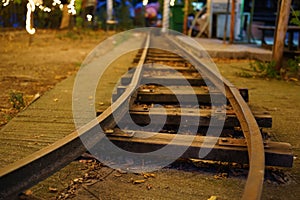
(254, 184)
(27, 172)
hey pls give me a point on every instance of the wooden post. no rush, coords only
(226, 21)
(109, 10)
(210, 16)
(232, 22)
(281, 29)
(30, 41)
(166, 15)
(185, 16)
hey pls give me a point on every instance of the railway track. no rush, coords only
(171, 104)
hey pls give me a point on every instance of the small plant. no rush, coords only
(295, 17)
(17, 101)
(265, 69)
(244, 74)
(293, 65)
(73, 35)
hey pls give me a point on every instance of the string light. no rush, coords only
(5, 2)
(56, 2)
(172, 2)
(145, 2)
(45, 9)
(39, 4)
(89, 17)
(71, 7)
(30, 9)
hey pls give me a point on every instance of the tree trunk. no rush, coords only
(65, 22)
(281, 29)
(185, 16)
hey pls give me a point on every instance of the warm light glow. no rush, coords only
(145, 2)
(56, 2)
(47, 9)
(30, 9)
(5, 2)
(172, 2)
(89, 17)
(39, 4)
(71, 7)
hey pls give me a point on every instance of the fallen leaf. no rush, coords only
(117, 175)
(212, 198)
(294, 79)
(79, 180)
(149, 175)
(224, 175)
(149, 187)
(51, 189)
(138, 181)
(109, 131)
(28, 192)
(58, 77)
(217, 177)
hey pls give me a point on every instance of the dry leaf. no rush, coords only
(117, 175)
(149, 175)
(212, 198)
(294, 79)
(224, 175)
(28, 192)
(138, 181)
(149, 187)
(51, 189)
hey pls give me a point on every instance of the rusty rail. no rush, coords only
(27, 172)
(254, 184)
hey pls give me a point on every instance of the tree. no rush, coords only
(281, 28)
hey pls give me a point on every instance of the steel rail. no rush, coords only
(27, 172)
(34, 168)
(251, 131)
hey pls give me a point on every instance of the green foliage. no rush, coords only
(295, 19)
(289, 71)
(293, 65)
(78, 6)
(265, 69)
(18, 1)
(17, 101)
(79, 21)
(244, 74)
(125, 22)
(73, 35)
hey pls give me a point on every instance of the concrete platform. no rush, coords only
(217, 49)
(45, 121)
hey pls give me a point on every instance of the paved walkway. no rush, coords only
(42, 123)
(217, 49)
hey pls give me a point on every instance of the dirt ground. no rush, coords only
(31, 68)
(53, 56)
